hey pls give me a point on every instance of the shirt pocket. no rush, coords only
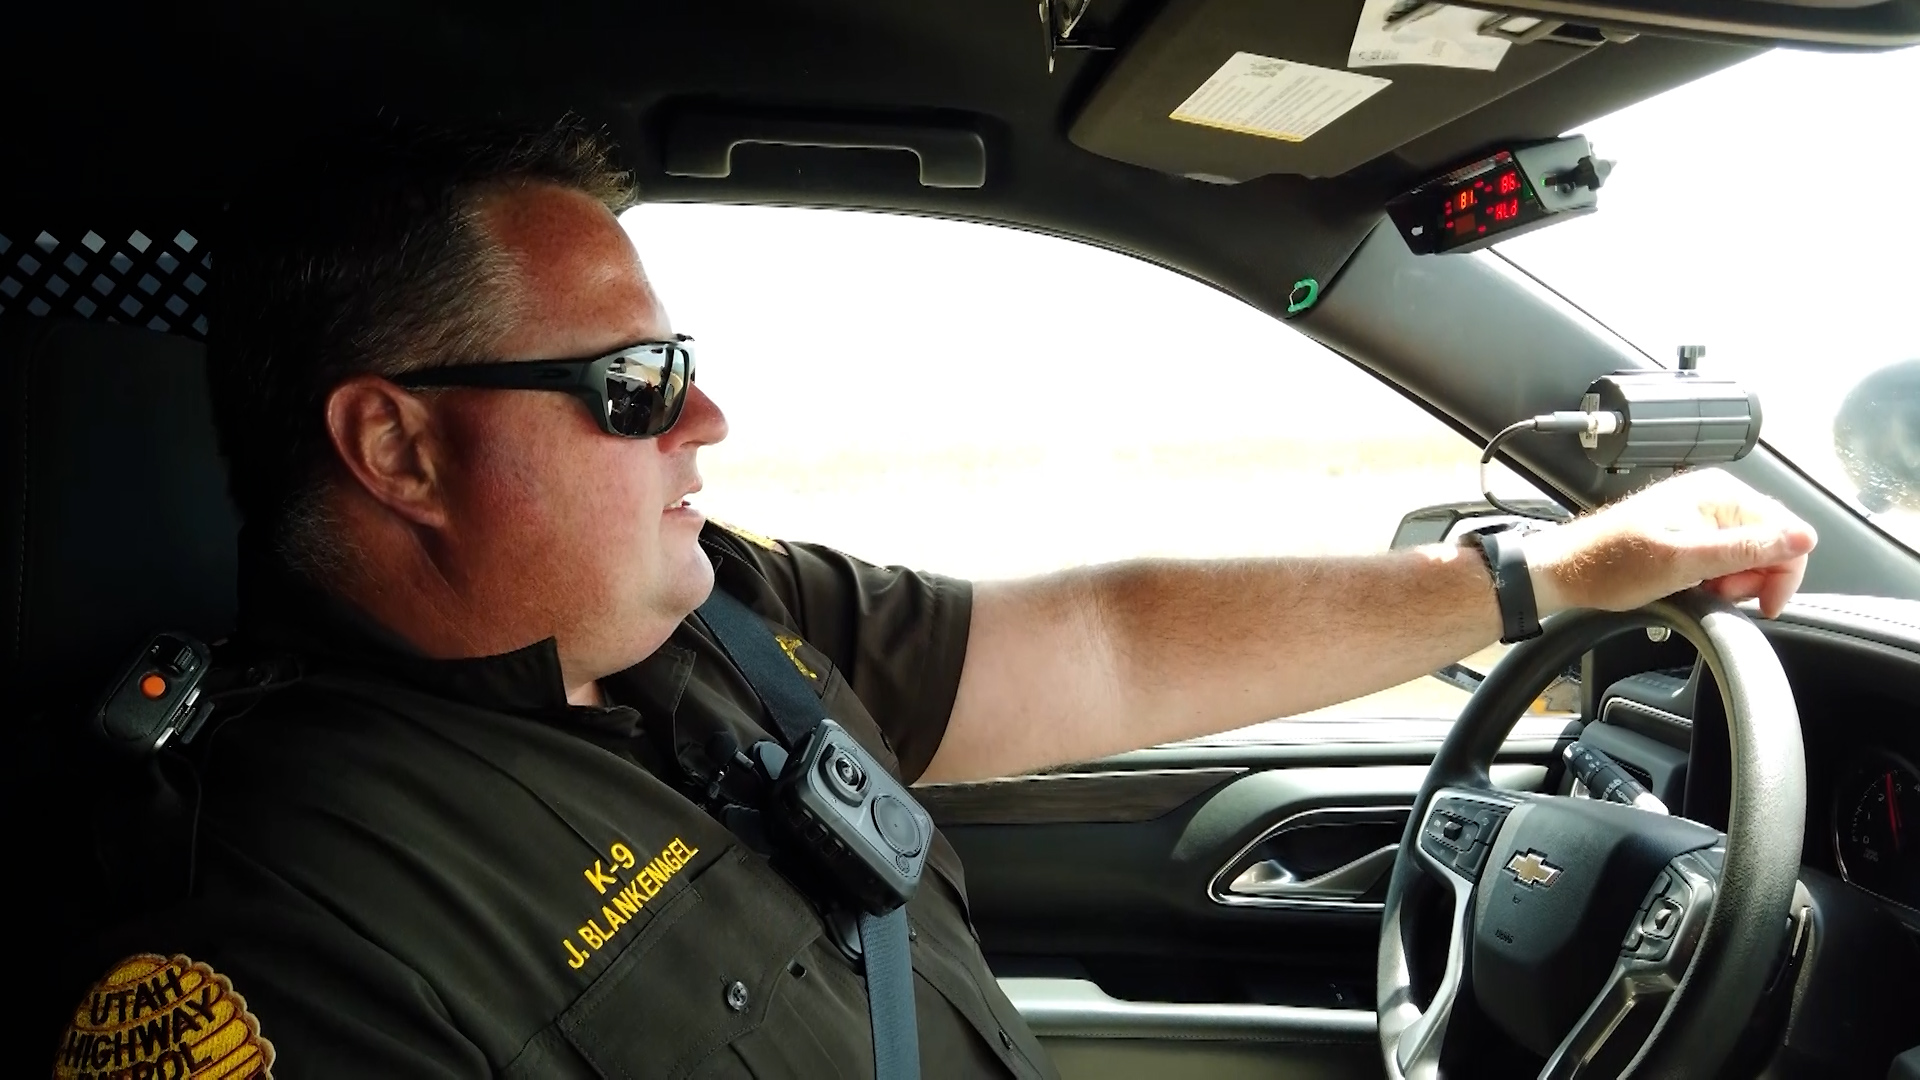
(704, 973)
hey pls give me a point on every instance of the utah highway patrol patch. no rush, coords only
(154, 1018)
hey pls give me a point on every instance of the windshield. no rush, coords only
(1766, 212)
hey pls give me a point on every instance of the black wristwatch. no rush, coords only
(1512, 585)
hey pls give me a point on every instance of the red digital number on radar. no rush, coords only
(1509, 183)
(1465, 200)
(1506, 210)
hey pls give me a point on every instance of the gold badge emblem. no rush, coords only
(753, 538)
(791, 646)
(167, 1019)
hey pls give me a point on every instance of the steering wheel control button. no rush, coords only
(1661, 918)
(1471, 861)
(1652, 949)
(1457, 833)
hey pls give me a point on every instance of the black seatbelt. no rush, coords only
(750, 644)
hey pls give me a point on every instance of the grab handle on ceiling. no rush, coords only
(699, 143)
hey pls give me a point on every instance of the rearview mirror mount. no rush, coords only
(1447, 521)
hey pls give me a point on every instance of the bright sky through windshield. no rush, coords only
(984, 401)
(1765, 212)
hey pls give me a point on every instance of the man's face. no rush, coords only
(561, 528)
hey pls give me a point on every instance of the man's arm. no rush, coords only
(1088, 662)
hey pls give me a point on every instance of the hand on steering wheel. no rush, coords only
(1701, 527)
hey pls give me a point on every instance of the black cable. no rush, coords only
(1532, 423)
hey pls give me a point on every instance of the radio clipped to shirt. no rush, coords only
(156, 698)
(854, 831)
(839, 809)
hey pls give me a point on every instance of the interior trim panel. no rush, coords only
(1076, 1008)
(1061, 797)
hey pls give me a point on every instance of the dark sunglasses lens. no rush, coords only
(646, 389)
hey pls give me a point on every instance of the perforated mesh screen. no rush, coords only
(154, 280)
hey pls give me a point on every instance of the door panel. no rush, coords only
(1091, 1034)
(1232, 934)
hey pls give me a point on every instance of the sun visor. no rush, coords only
(1235, 89)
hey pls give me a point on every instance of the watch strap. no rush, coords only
(1512, 585)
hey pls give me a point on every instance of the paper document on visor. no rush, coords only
(1436, 35)
(1279, 99)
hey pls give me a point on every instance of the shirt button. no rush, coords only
(912, 934)
(1006, 1040)
(737, 999)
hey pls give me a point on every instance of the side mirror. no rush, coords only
(1447, 521)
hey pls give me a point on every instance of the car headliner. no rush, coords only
(153, 114)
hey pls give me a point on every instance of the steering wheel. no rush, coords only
(1610, 940)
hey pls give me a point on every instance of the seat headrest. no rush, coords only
(113, 495)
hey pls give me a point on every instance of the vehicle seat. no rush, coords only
(116, 524)
(114, 497)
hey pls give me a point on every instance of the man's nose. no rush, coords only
(701, 422)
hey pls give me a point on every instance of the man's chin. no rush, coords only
(694, 582)
(641, 630)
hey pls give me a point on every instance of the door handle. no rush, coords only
(1268, 879)
(1298, 863)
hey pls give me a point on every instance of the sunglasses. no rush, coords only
(636, 392)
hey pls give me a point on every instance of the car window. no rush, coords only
(1744, 213)
(988, 403)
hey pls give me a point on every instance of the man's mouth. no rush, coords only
(683, 504)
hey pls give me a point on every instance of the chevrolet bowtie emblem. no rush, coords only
(1532, 869)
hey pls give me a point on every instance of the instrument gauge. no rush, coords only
(1876, 828)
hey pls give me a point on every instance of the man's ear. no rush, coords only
(386, 438)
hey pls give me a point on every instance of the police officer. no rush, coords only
(467, 832)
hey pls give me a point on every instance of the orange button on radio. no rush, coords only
(153, 686)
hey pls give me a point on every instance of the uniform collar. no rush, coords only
(283, 612)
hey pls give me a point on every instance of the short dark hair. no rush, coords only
(367, 258)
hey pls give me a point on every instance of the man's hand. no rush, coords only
(1698, 527)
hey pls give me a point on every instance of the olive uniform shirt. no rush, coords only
(439, 868)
